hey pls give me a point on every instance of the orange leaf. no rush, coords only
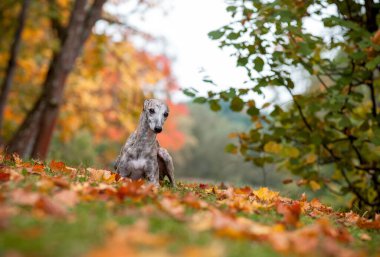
(50, 207)
(57, 166)
(291, 212)
(4, 177)
(38, 167)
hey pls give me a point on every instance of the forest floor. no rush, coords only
(54, 210)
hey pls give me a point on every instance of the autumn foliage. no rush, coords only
(55, 191)
(100, 89)
(326, 132)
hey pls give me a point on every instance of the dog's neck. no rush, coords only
(144, 135)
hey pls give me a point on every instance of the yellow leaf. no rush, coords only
(272, 147)
(266, 195)
(314, 185)
(292, 152)
(109, 177)
(233, 135)
(311, 158)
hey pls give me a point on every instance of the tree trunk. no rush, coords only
(12, 64)
(34, 135)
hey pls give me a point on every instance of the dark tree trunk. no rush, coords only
(12, 64)
(34, 135)
(372, 10)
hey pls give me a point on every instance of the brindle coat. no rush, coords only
(142, 156)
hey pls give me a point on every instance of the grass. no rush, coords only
(89, 225)
(33, 236)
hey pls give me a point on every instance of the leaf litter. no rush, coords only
(54, 190)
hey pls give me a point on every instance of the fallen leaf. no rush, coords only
(203, 186)
(287, 181)
(57, 166)
(193, 201)
(38, 167)
(50, 207)
(368, 224)
(60, 182)
(4, 177)
(291, 212)
(132, 188)
(172, 206)
(23, 197)
(67, 198)
(365, 237)
(265, 194)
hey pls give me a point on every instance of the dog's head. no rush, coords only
(156, 112)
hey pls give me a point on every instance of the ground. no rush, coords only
(54, 210)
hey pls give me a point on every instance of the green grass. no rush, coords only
(50, 236)
(87, 227)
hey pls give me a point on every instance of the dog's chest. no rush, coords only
(138, 164)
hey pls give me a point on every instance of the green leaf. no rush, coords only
(209, 81)
(231, 8)
(371, 65)
(214, 105)
(188, 92)
(242, 61)
(233, 36)
(231, 148)
(259, 64)
(253, 111)
(216, 34)
(200, 100)
(277, 111)
(305, 49)
(237, 104)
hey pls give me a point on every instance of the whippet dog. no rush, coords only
(142, 156)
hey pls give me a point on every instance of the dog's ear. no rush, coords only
(146, 102)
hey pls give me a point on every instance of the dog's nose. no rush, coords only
(157, 129)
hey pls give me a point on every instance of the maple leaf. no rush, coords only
(132, 188)
(4, 176)
(38, 168)
(57, 166)
(264, 194)
(291, 212)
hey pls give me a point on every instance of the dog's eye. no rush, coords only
(166, 114)
(151, 110)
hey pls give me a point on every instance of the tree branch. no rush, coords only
(55, 22)
(373, 99)
(93, 14)
(356, 192)
(299, 110)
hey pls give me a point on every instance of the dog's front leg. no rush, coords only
(122, 156)
(152, 174)
(122, 165)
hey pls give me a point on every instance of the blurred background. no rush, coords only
(137, 49)
(74, 75)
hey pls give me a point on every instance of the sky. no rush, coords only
(185, 28)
